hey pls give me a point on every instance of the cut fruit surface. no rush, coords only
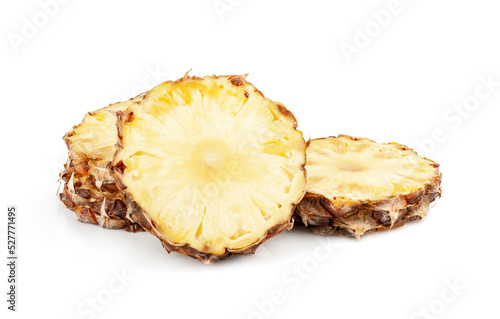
(89, 188)
(356, 185)
(96, 136)
(210, 166)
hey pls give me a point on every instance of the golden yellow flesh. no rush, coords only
(362, 169)
(96, 136)
(213, 168)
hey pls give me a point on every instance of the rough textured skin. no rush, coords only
(138, 216)
(325, 217)
(104, 205)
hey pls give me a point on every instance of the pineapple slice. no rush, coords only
(210, 166)
(90, 190)
(356, 185)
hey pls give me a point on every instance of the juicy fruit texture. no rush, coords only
(356, 185)
(96, 136)
(89, 188)
(210, 166)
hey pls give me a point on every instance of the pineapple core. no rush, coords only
(210, 158)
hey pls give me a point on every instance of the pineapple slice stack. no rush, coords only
(208, 165)
(213, 168)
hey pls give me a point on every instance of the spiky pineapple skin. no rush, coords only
(90, 190)
(325, 217)
(103, 206)
(137, 215)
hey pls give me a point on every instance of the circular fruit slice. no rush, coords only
(210, 166)
(356, 185)
(89, 188)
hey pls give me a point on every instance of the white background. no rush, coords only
(401, 85)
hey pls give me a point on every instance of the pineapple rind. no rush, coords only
(327, 211)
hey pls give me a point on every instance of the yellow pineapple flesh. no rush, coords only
(210, 166)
